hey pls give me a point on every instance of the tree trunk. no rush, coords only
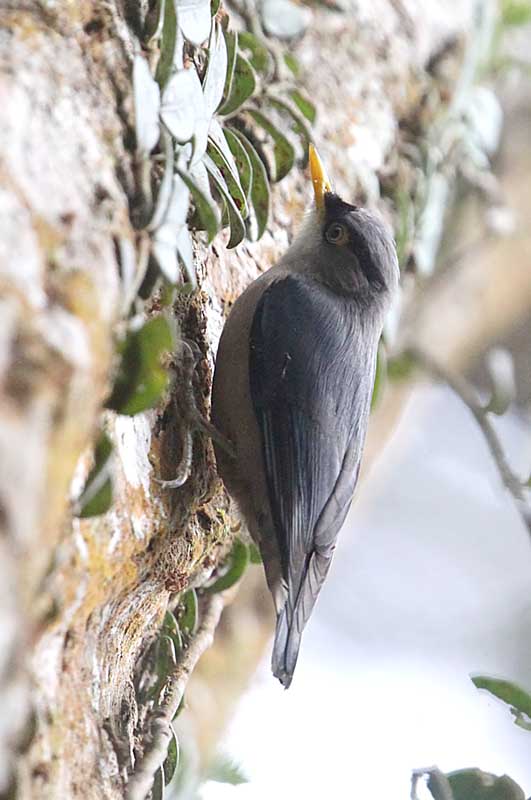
(82, 599)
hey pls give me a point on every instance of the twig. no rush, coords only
(155, 752)
(467, 394)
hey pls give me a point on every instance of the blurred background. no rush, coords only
(432, 578)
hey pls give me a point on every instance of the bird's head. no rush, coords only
(347, 247)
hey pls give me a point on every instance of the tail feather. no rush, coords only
(292, 618)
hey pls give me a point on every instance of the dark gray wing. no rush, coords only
(311, 370)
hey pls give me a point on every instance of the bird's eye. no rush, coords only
(336, 234)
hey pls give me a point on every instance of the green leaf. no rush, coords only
(188, 616)
(166, 185)
(231, 43)
(194, 19)
(147, 104)
(224, 770)
(260, 193)
(293, 119)
(243, 163)
(154, 21)
(235, 567)
(167, 44)
(400, 368)
(243, 85)
(216, 72)
(214, 7)
(284, 152)
(203, 206)
(255, 51)
(254, 554)
(473, 784)
(219, 151)
(237, 225)
(305, 106)
(172, 237)
(96, 497)
(504, 690)
(515, 12)
(380, 377)
(157, 790)
(141, 379)
(183, 104)
(171, 761)
(170, 627)
(292, 64)
(165, 662)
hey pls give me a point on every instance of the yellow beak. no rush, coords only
(320, 180)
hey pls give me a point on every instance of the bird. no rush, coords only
(292, 388)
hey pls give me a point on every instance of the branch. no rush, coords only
(155, 752)
(468, 396)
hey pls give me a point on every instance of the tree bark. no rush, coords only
(80, 600)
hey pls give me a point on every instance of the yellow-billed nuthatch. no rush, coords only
(292, 391)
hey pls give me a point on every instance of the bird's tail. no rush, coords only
(294, 615)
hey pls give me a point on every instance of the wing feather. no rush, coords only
(311, 371)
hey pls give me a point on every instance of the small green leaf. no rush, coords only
(255, 51)
(141, 379)
(516, 12)
(380, 376)
(243, 86)
(220, 153)
(293, 120)
(254, 554)
(283, 151)
(203, 206)
(214, 7)
(157, 790)
(237, 225)
(292, 64)
(167, 44)
(243, 163)
(171, 628)
(504, 690)
(147, 104)
(473, 784)
(305, 106)
(400, 368)
(236, 565)
(188, 616)
(171, 761)
(96, 497)
(165, 662)
(194, 20)
(154, 21)
(216, 72)
(172, 237)
(183, 104)
(166, 185)
(260, 193)
(231, 43)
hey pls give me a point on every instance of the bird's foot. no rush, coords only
(192, 417)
